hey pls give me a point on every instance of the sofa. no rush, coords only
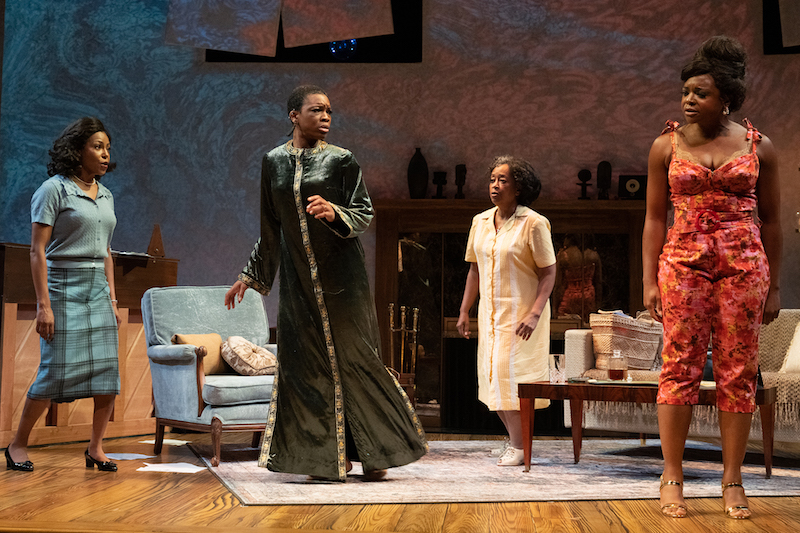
(775, 340)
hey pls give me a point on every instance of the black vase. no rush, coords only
(418, 175)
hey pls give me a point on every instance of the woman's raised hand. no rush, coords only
(320, 208)
(235, 294)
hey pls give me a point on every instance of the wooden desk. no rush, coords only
(19, 350)
(576, 393)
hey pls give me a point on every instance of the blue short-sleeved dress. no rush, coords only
(81, 360)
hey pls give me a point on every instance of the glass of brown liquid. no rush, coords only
(617, 366)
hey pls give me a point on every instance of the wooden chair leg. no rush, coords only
(159, 440)
(216, 440)
(256, 443)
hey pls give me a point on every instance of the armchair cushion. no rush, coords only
(792, 361)
(233, 389)
(213, 363)
(248, 358)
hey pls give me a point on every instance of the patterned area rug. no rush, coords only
(466, 471)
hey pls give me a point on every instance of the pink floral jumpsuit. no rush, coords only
(713, 276)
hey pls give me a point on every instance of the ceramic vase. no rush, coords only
(418, 175)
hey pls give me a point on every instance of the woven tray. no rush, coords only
(639, 339)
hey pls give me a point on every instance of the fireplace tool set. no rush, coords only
(408, 347)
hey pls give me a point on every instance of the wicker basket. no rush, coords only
(639, 339)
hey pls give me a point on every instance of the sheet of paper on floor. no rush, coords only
(180, 468)
(128, 456)
(168, 442)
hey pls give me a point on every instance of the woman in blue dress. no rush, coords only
(72, 221)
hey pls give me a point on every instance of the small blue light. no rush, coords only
(343, 50)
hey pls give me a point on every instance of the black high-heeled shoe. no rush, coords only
(27, 466)
(103, 466)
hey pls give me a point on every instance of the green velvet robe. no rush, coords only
(331, 386)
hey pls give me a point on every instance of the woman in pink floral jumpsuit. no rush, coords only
(717, 277)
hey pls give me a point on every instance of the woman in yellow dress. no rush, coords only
(513, 268)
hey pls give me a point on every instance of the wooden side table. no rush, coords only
(576, 393)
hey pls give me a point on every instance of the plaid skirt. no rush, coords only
(81, 360)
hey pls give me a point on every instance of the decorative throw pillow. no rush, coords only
(247, 358)
(213, 363)
(792, 361)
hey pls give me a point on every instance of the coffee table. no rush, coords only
(576, 393)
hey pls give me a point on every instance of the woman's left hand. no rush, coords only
(320, 208)
(526, 327)
(116, 314)
(772, 306)
(463, 325)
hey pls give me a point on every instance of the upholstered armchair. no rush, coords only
(184, 396)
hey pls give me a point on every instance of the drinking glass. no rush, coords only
(617, 366)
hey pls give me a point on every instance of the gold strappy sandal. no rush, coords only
(730, 510)
(672, 509)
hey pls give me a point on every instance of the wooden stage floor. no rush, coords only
(61, 495)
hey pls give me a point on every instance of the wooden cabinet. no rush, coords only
(420, 263)
(19, 342)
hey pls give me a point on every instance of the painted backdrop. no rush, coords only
(563, 83)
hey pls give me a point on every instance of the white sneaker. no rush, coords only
(512, 457)
(497, 452)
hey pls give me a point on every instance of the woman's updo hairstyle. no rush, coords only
(724, 59)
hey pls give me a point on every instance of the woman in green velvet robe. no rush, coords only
(333, 399)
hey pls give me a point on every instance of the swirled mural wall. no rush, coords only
(563, 83)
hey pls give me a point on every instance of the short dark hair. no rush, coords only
(725, 60)
(524, 175)
(299, 94)
(65, 156)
